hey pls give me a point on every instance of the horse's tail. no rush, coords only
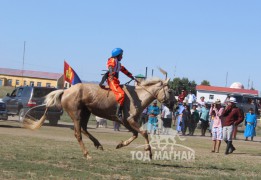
(52, 99)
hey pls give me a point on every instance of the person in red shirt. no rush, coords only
(232, 117)
(114, 67)
(182, 96)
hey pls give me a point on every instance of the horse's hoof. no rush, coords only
(147, 148)
(100, 148)
(120, 145)
(88, 157)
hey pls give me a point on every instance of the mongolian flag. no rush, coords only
(70, 75)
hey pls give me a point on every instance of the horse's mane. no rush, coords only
(151, 81)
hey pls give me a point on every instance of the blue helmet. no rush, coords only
(116, 52)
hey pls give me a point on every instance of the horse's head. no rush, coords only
(166, 95)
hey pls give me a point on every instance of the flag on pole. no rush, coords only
(70, 75)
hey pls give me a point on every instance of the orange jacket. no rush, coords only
(117, 67)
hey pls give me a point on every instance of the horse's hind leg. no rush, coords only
(85, 115)
(93, 139)
(128, 141)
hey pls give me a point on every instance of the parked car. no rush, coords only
(258, 105)
(29, 97)
(3, 111)
(245, 102)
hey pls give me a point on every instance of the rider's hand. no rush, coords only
(102, 86)
(138, 82)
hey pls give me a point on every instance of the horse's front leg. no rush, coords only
(134, 124)
(128, 141)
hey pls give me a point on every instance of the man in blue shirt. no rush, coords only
(153, 111)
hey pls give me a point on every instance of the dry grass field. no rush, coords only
(54, 153)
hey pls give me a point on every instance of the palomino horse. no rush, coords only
(81, 100)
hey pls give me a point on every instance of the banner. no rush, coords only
(70, 75)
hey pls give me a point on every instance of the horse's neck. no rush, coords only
(147, 95)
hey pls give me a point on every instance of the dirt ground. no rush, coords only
(14, 125)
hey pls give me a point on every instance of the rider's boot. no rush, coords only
(119, 112)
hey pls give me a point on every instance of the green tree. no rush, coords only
(205, 82)
(178, 84)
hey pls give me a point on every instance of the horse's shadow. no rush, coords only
(9, 126)
(70, 126)
(188, 167)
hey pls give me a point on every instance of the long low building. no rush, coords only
(16, 77)
(212, 93)
(246, 98)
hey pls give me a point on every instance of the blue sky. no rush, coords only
(196, 39)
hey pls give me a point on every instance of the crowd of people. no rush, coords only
(219, 119)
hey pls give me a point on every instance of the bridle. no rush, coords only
(165, 96)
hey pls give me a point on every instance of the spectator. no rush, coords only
(100, 122)
(104, 123)
(191, 99)
(116, 126)
(179, 115)
(185, 118)
(258, 104)
(201, 101)
(159, 124)
(211, 117)
(182, 96)
(211, 121)
(144, 117)
(250, 124)
(215, 111)
(193, 120)
(227, 100)
(97, 121)
(167, 118)
(204, 118)
(245, 109)
(153, 112)
(233, 116)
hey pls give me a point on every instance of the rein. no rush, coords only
(151, 93)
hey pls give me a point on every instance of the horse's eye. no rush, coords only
(169, 91)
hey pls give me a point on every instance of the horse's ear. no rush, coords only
(167, 81)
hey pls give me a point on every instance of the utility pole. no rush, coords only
(152, 72)
(248, 83)
(174, 71)
(146, 72)
(23, 66)
(226, 79)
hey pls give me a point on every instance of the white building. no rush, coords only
(212, 93)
